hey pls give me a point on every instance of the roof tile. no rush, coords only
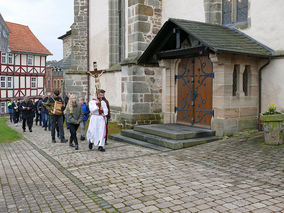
(23, 40)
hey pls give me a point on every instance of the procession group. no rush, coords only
(52, 111)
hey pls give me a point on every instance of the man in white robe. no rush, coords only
(96, 134)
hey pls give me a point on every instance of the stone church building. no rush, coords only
(211, 63)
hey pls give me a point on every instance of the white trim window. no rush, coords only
(9, 82)
(10, 58)
(30, 60)
(2, 82)
(3, 58)
(33, 82)
(3, 108)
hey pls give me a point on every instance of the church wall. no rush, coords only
(272, 85)
(99, 34)
(183, 9)
(266, 26)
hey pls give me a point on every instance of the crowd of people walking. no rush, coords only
(52, 111)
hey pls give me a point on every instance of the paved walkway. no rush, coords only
(236, 175)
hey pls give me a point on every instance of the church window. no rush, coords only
(48, 84)
(227, 12)
(242, 10)
(33, 82)
(234, 11)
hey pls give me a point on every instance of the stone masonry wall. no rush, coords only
(141, 95)
(144, 22)
(67, 46)
(213, 11)
(76, 78)
(234, 113)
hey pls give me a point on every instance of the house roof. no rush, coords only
(68, 33)
(23, 40)
(217, 38)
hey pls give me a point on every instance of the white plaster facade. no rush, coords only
(183, 9)
(99, 34)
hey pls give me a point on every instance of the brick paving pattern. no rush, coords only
(234, 175)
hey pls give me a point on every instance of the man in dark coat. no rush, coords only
(27, 114)
(56, 119)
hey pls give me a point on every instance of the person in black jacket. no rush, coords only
(37, 112)
(16, 112)
(56, 118)
(27, 114)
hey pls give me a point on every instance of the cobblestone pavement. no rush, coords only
(235, 175)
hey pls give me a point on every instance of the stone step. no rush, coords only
(175, 131)
(122, 138)
(165, 142)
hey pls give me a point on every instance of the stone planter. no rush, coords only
(273, 128)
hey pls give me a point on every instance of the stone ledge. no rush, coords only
(114, 68)
(76, 73)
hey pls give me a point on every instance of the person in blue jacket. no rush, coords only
(86, 112)
(10, 109)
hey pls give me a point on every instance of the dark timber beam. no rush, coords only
(181, 53)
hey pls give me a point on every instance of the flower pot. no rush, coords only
(273, 128)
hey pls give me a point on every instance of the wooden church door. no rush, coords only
(195, 81)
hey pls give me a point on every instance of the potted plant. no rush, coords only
(272, 125)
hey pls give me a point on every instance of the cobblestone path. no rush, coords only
(235, 175)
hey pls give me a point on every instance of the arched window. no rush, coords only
(246, 81)
(235, 79)
(234, 11)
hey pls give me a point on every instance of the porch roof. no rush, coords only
(216, 38)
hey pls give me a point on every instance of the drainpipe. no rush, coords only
(119, 31)
(259, 93)
(88, 60)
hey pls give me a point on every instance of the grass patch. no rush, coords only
(6, 133)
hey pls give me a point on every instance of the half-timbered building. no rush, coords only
(22, 69)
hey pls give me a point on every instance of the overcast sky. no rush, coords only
(47, 19)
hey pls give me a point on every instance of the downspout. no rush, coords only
(119, 31)
(259, 91)
(88, 59)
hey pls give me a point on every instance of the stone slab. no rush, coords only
(165, 142)
(175, 131)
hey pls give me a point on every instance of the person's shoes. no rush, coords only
(63, 140)
(36, 124)
(90, 145)
(101, 149)
(45, 129)
(53, 141)
(76, 147)
(31, 130)
(71, 145)
(106, 143)
(24, 130)
(82, 138)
